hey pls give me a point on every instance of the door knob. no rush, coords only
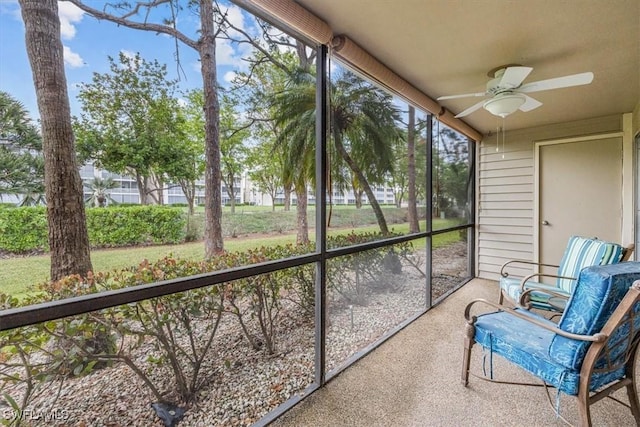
(545, 222)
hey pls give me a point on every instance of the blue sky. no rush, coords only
(88, 42)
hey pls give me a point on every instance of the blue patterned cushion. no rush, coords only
(597, 294)
(527, 346)
(555, 359)
(582, 252)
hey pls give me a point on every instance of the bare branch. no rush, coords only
(145, 26)
(244, 79)
(252, 42)
(139, 5)
(241, 128)
(281, 38)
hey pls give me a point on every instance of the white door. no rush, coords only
(580, 193)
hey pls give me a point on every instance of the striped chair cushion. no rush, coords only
(581, 253)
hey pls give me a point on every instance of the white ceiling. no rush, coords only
(446, 47)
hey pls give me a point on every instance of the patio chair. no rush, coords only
(588, 354)
(580, 252)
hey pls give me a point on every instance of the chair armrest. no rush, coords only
(503, 273)
(599, 337)
(627, 252)
(531, 276)
(525, 302)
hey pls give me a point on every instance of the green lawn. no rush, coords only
(19, 273)
(16, 274)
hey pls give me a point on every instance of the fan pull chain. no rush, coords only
(503, 135)
(500, 130)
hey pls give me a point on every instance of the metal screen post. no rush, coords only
(321, 214)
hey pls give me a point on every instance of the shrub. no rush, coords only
(38, 356)
(194, 228)
(180, 327)
(355, 276)
(23, 229)
(135, 225)
(257, 299)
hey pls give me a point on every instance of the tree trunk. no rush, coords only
(399, 196)
(302, 236)
(382, 222)
(358, 196)
(213, 242)
(158, 183)
(142, 188)
(68, 238)
(189, 191)
(287, 198)
(412, 213)
(153, 190)
(231, 192)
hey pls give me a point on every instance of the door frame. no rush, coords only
(537, 145)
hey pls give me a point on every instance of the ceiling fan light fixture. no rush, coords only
(503, 105)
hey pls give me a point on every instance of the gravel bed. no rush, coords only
(245, 384)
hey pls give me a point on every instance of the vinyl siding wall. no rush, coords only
(505, 198)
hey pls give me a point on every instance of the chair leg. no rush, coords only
(584, 412)
(632, 390)
(466, 358)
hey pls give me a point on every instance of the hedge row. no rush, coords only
(25, 229)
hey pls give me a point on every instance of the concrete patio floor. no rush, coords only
(414, 380)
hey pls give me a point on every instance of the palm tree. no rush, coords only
(295, 114)
(363, 131)
(33, 196)
(363, 126)
(100, 191)
(21, 160)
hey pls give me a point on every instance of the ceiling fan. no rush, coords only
(507, 93)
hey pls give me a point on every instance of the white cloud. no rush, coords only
(225, 54)
(130, 55)
(11, 8)
(71, 58)
(229, 76)
(229, 54)
(235, 17)
(69, 15)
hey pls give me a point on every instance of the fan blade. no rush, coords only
(557, 83)
(530, 104)
(464, 95)
(514, 76)
(470, 110)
